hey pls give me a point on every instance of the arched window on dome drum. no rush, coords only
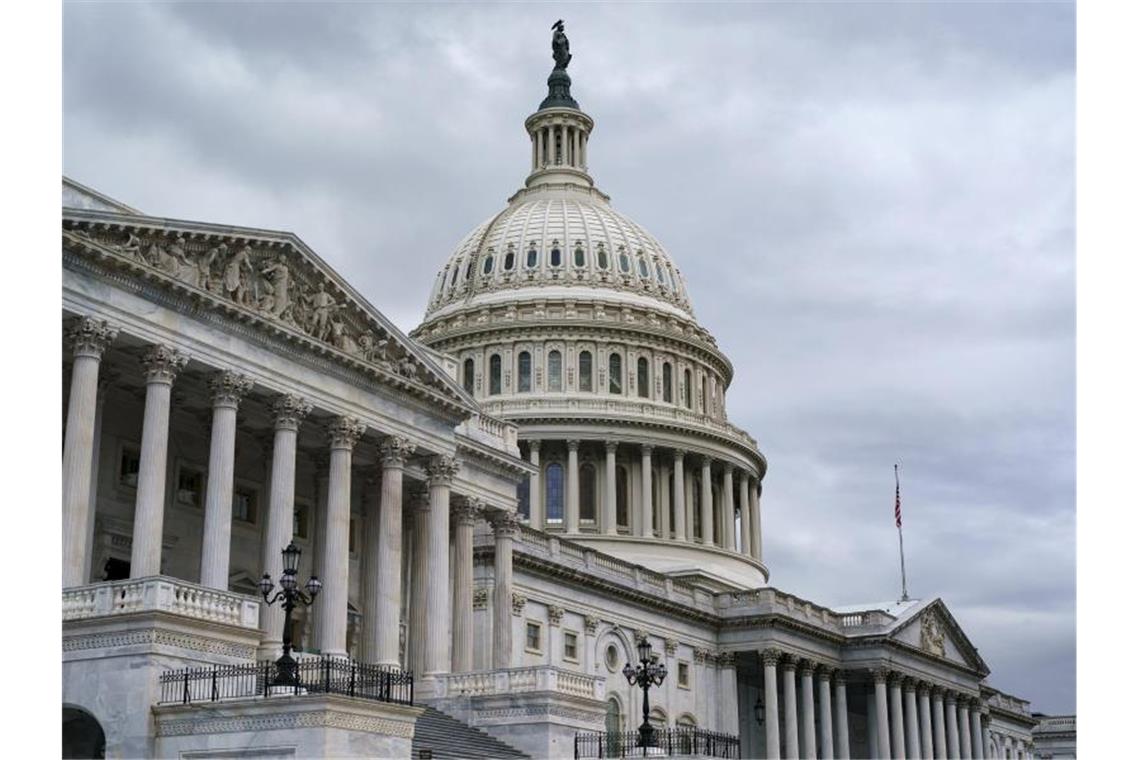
(531, 257)
(509, 261)
(688, 389)
(469, 376)
(623, 261)
(585, 371)
(524, 372)
(676, 278)
(522, 492)
(643, 377)
(615, 373)
(454, 274)
(660, 273)
(579, 256)
(704, 396)
(667, 382)
(587, 493)
(642, 268)
(554, 371)
(554, 492)
(602, 257)
(622, 498)
(470, 268)
(555, 256)
(489, 263)
(496, 375)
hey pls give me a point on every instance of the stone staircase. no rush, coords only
(450, 739)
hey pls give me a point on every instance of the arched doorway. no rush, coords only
(613, 726)
(82, 734)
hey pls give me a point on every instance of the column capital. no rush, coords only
(706, 460)
(806, 666)
(839, 677)
(646, 450)
(228, 387)
(162, 363)
(554, 614)
(726, 659)
(671, 647)
(951, 697)
(923, 689)
(465, 512)
(572, 444)
(790, 663)
(344, 432)
(88, 336)
(505, 524)
(678, 455)
(591, 622)
(394, 451)
(880, 675)
(937, 692)
(771, 656)
(896, 679)
(289, 410)
(824, 672)
(909, 683)
(518, 603)
(611, 446)
(442, 469)
(975, 704)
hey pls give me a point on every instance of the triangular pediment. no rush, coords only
(931, 628)
(80, 196)
(267, 279)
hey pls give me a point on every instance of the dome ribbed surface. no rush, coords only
(577, 240)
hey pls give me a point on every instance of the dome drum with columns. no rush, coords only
(573, 322)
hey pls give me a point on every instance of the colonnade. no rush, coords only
(907, 718)
(684, 509)
(431, 649)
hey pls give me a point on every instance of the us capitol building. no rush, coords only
(499, 507)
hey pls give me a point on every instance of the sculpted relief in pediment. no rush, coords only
(933, 637)
(274, 281)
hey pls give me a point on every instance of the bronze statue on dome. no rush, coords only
(561, 46)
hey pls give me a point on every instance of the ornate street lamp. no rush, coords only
(289, 596)
(649, 673)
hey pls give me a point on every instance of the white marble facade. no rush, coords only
(503, 502)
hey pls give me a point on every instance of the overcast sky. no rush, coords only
(872, 203)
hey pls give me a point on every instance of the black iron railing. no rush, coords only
(666, 741)
(326, 675)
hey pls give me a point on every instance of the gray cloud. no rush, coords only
(872, 204)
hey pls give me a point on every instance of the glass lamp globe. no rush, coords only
(265, 585)
(313, 586)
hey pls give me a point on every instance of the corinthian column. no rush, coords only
(938, 713)
(882, 721)
(827, 737)
(842, 742)
(421, 569)
(572, 497)
(162, 364)
(910, 711)
(976, 741)
(88, 338)
(966, 751)
(728, 512)
(791, 722)
(288, 411)
(611, 487)
(227, 389)
(897, 746)
(332, 623)
(679, 494)
(745, 516)
(757, 550)
(706, 502)
(646, 491)
(807, 698)
(953, 745)
(771, 658)
(382, 609)
(506, 527)
(462, 598)
(441, 471)
(926, 740)
(537, 511)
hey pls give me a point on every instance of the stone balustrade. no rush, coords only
(544, 678)
(160, 594)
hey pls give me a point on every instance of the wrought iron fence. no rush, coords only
(666, 742)
(326, 675)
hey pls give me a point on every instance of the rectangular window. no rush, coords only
(188, 486)
(534, 637)
(570, 646)
(300, 521)
(245, 505)
(683, 675)
(129, 466)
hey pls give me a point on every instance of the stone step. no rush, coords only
(450, 739)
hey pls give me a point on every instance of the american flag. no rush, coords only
(898, 500)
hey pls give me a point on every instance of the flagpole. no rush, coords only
(898, 523)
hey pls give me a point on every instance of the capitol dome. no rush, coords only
(570, 320)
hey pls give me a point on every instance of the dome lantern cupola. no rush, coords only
(559, 130)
